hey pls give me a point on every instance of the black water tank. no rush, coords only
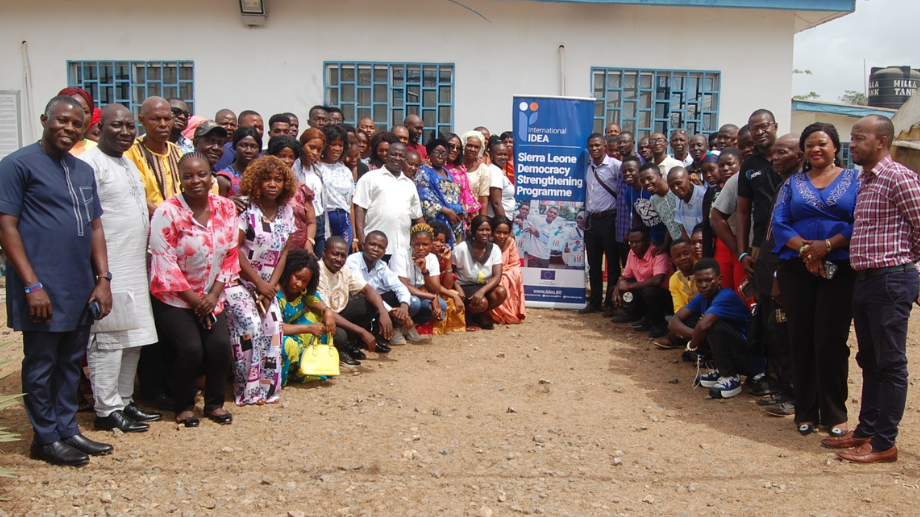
(891, 87)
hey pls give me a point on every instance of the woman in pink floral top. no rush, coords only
(457, 171)
(193, 240)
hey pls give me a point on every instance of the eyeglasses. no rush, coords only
(656, 140)
(455, 147)
(178, 111)
(438, 152)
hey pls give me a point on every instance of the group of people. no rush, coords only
(205, 248)
(206, 253)
(754, 252)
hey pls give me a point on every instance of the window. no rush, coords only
(130, 82)
(656, 101)
(845, 159)
(387, 92)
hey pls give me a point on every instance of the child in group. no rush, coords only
(419, 270)
(306, 318)
(454, 319)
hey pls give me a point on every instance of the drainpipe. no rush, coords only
(561, 69)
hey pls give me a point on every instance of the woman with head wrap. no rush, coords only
(86, 102)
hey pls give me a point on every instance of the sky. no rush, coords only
(883, 32)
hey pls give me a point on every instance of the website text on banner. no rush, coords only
(549, 174)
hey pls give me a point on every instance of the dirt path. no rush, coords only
(563, 415)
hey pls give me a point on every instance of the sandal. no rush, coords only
(807, 428)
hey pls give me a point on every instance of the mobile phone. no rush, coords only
(96, 310)
(746, 289)
(209, 321)
(830, 269)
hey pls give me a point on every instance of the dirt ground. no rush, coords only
(563, 415)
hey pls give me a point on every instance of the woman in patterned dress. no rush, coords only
(306, 318)
(439, 192)
(255, 322)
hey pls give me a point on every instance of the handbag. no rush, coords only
(319, 359)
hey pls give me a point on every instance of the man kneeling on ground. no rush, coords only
(723, 322)
(642, 289)
(354, 302)
(396, 296)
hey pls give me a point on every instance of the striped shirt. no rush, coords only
(887, 228)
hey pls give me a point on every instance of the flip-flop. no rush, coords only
(472, 328)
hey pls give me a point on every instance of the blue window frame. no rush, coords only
(130, 82)
(388, 92)
(845, 157)
(656, 101)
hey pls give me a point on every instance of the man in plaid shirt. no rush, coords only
(883, 251)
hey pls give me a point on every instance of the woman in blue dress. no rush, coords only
(812, 225)
(439, 193)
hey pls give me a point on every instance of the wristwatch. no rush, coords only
(107, 275)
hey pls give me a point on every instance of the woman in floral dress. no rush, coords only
(255, 321)
(439, 192)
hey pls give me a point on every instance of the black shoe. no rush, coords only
(658, 331)
(58, 453)
(624, 318)
(762, 384)
(161, 402)
(191, 421)
(589, 309)
(639, 323)
(781, 409)
(119, 420)
(357, 354)
(609, 311)
(140, 415)
(224, 419)
(84, 444)
(381, 349)
(346, 359)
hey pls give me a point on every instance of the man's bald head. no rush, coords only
(157, 119)
(787, 156)
(152, 103)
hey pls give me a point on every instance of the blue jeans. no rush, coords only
(340, 225)
(420, 310)
(320, 237)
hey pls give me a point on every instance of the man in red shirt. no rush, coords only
(883, 251)
(416, 127)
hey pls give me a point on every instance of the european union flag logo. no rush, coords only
(547, 274)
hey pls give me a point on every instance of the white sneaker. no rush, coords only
(412, 334)
(397, 337)
(726, 387)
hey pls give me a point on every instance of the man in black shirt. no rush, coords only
(757, 185)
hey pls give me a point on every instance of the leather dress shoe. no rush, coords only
(357, 354)
(346, 359)
(84, 444)
(382, 349)
(847, 441)
(865, 454)
(117, 419)
(140, 415)
(58, 453)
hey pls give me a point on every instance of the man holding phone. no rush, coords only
(48, 203)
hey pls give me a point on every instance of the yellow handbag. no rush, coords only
(319, 359)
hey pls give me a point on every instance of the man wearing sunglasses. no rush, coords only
(180, 122)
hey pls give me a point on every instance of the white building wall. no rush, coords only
(278, 67)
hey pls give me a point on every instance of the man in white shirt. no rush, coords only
(542, 232)
(113, 355)
(386, 200)
(658, 144)
(689, 211)
(680, 144)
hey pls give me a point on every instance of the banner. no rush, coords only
(550, 159)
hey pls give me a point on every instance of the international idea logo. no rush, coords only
(527, 116)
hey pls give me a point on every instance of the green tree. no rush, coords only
(854, 97)
(810, 96)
